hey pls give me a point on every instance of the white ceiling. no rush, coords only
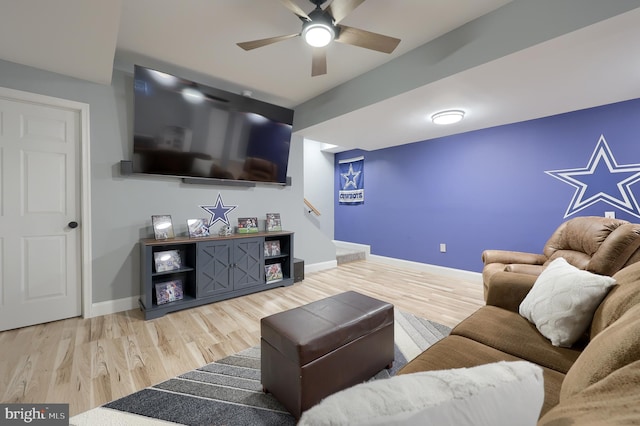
(593, 66)
(80, 38)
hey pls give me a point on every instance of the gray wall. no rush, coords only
(122, 206)
(319, 185)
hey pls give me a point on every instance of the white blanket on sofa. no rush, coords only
(504, 393)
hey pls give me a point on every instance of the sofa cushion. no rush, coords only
(511, 333)
(576, 258)
(563, 300)
(616, 346)
(614, 400)
(491, 394)
(581, 234)
(508, 289)
(616, 250)
(458, 351)
(621, 297)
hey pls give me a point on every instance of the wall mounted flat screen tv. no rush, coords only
(186, 129)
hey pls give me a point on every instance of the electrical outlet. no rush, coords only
(443, 248)
(610, 215)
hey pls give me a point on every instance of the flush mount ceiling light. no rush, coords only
(447, 117)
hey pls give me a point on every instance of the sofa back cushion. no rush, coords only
(615, 400)
(620, 299)
(583, 234)
(614, 252)
(635, 257)
(576, 258)
(613, 348)
(578, 240)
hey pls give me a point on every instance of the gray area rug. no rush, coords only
(229, 392)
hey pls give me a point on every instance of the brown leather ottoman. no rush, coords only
(317, 349)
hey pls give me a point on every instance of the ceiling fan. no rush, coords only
(320, 27)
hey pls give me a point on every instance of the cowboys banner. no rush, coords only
(351, 181)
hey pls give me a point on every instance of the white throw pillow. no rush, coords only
(491, 394)
(563, 300)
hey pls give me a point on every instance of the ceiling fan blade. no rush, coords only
(339, 9)
(319, 61)
(367, 39)
(254, 44)
(289, 4)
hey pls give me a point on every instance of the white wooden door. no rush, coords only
(40, 253)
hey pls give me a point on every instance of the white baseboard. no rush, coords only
(441, 270)
(316, 267)
(113, 306)
(435, 269)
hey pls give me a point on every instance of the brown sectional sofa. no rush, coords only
(596, 381)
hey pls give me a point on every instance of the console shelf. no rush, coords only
(213, 269)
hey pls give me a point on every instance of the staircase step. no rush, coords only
(346, 256)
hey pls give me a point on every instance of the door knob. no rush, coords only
(73, 224)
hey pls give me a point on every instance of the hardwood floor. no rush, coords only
(87, 363)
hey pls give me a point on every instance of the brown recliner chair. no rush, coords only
(592, 243)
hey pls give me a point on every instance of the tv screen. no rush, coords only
(186, 129)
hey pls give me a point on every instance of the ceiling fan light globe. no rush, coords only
(318, 35)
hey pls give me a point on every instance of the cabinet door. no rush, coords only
(214, 268)
(249, 260)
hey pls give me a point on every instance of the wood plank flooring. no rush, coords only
(89, 362)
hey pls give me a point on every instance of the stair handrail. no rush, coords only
(311, 207)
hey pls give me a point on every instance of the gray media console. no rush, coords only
(210, 269)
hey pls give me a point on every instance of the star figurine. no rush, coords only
(351, 178)
(602, 179)
(218, 212)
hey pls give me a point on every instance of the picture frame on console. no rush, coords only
(197, 228)
(273, 222)
(272, 248)
(162, 227)
(168, 260)
(169, 291)
(273, 272)
(247, 225)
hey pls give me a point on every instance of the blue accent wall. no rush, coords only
(489, 188)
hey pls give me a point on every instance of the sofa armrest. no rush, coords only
(508, 289)
(525, 268)
(507, 256)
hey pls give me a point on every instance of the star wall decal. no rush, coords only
(218, 212)
(602, 179)
(351, 178)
